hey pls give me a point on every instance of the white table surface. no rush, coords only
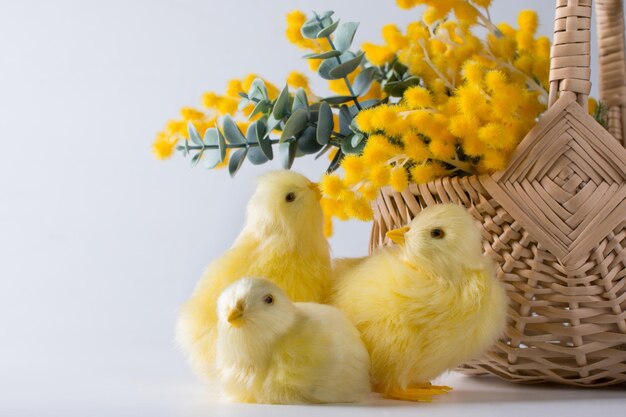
(157, 383)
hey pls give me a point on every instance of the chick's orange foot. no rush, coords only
(418, 392)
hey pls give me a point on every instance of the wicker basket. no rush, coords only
(555, 220)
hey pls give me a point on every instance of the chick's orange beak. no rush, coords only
(315, 188)
(397, 235)
(235, 315)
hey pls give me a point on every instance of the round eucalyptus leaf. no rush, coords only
(221, 143)
(347, 148)
(330, 63)
(363, 81)
(272, 123)
(307, 142)
(311, 28)
(232, 132)
(196, 158)
(265, 143)
(324, 124)
(258, 90)
(323, 151)
(280, 105)
(255, 154)
(369, 103)
(193, 134)
(236, 160)
(261, 107)
(210, 137)
(323, 55)
(345, 118)
(344, 35)
(338, 99)
(328, 30)
(334, 164)
(212, 157)
(300, 100)
(344, 69)
(356, 140)
(287, 153)
(295, 124)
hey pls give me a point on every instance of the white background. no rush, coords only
(100, 243)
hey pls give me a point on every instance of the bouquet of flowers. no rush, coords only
(450, 95)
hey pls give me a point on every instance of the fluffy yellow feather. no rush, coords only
(425, 305)
(270, 350)
(282, 240)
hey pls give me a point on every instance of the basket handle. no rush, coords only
(610, 27)
(569, 57)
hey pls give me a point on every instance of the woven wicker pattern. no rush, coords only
(610, 18)
(555, 223)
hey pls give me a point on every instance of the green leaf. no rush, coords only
(363, 81)
(221, 142)
(347, 148)
(397, 88)
(261, 107)
(334, 164)
(196, 158)
(323, 55)
(369, 103)
(258, 90)
(236, 160)
(337, 99)
(345, 118)
(311, 28)
(356, 140)
(323, 151)
(212, 156)
(243, 103)
(265, 143)
(255, 153)
(287, 153)
(193, 134)
(272, 123)
(295, 124)
(300, 100)
(232, 132)
(324, 124)
(327, 31)
(307, 142)
(344, 69)
(186, 151)
(325, 15)
(344, 35)
(281, 104)
(329, 64)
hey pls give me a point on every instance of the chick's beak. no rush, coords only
(235, 315)
(315, 188)
(397, 235)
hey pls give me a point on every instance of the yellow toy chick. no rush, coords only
(426, 305)
(282, 240)
(270, 350)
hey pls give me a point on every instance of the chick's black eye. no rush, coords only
(290, 197)
(268, 299)
(437, 233)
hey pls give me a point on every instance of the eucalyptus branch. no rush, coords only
(345, 79)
